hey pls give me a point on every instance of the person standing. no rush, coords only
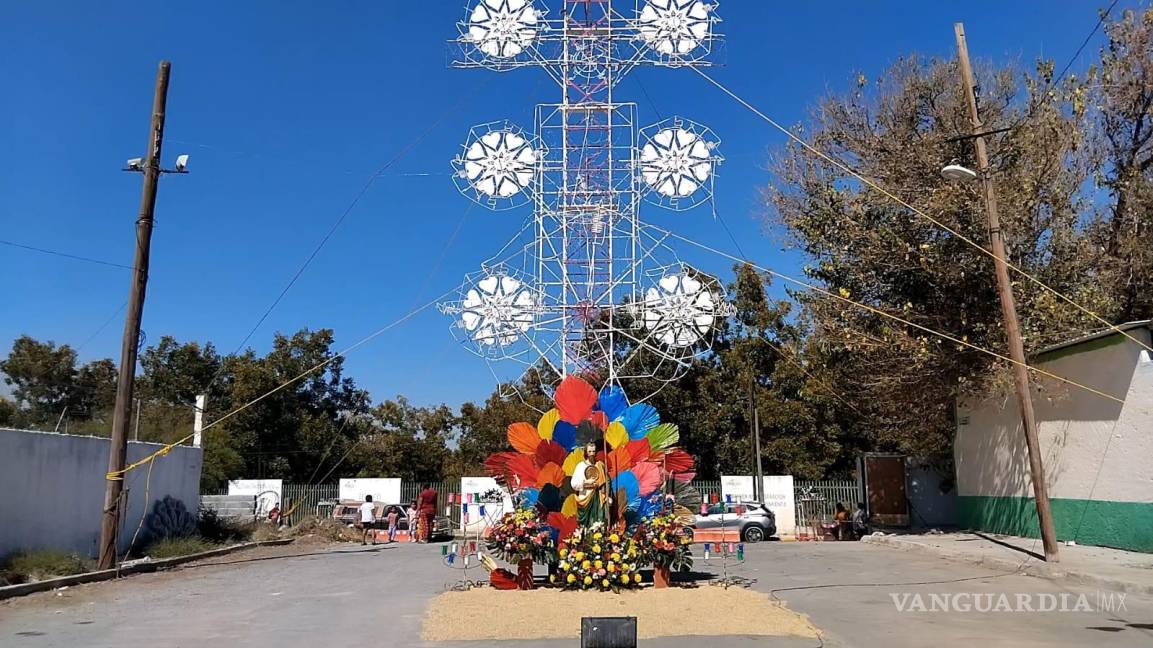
(413, 517)
(427, 502)
(393, 518)
(367, 520)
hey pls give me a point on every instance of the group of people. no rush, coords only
(420, 516)
(853, 528)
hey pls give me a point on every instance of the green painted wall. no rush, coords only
(1122, 525)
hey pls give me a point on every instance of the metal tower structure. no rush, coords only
(584, 288)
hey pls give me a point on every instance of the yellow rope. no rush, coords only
(847, 169)
(117, 475)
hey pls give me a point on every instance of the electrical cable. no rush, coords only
(887, 315)
(888, 194)
(65, 255)
(119, 474)
(340, 220)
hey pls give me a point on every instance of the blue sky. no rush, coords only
(288, 107)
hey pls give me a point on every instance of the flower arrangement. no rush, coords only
(665, 543)
(522, 536)
(599, 559)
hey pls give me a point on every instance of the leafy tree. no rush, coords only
(867, 247)
(47, 384)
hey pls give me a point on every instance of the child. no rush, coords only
(393, 517)
(413, 522)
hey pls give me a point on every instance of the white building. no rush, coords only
(1097, 452)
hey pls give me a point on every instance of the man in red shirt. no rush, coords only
(426, 502)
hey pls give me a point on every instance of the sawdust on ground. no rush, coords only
(486, 614)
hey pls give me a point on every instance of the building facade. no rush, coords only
(1097, 452)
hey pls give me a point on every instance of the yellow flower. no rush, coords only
(636, 578)
(588, 580)
(599, 564)
(615, 556)
(597, 535)
(571, 579)
(632, 553)
(614, 538)
(563, 552)
(605, 583)
(552, 578)
(586, 564)
(580, 555)
(596, 548)
(624, 579)
(611, 567)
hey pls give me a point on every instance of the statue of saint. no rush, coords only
(590, 483)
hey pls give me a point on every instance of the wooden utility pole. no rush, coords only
(755, 421)
(122, 414)
(1008, 306)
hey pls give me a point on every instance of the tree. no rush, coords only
(865, 246)
(1116, 101)
(48, 386)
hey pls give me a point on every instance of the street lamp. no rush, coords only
(958, 173)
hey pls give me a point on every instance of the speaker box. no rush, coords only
(609, 632)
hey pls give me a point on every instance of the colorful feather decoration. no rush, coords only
(616, 435)
(523, 438)
(551, 473)
(648, 478)
(664, 436)
(546, 424)
(575, 399)
(564, 433)
(613, 402)
(565, 525)
(640, 450)
(639, 419)
(550, 452)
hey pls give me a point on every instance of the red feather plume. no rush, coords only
(575, 399)
(550, 452)
(640, 450)
(564, 524)
(502, 579)
(675, 461)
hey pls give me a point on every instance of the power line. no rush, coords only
(885, 314)
(65, 255)
(843, 166)
(340, 220)
(365, 340)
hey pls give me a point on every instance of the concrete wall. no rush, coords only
(52, 489)
(1098, 453)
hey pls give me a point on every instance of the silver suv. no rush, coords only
(754, 520)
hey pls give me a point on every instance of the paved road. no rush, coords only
(354, 597)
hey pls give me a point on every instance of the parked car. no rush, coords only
(348, 511)
(754, 520)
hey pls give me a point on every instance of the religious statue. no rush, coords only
(590, 484)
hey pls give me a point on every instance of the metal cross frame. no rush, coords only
(585, 255)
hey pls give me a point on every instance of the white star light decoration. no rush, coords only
(503, 29)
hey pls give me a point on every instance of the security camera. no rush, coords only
(181, 164)
(135, 164)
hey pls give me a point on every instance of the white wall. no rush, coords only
(779, 497)
(52, 489)
(383, 491)
(472, 520)
(1090, 445)
(268, 493)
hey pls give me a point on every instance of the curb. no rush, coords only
(1028, 568)
(23, 589)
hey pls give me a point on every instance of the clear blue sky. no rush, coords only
(287, 108)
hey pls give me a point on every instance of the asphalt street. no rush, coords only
(349, 596)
